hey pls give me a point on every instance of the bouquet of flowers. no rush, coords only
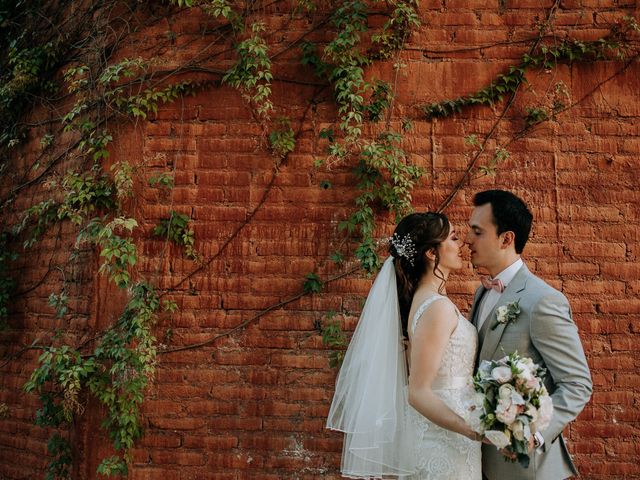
(511, 403)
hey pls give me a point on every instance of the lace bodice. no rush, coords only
(444, 454)
(459, 358)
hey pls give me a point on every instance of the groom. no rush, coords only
(543, 330)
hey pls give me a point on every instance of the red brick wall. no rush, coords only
(253, 404)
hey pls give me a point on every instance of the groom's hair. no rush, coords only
(510, 214)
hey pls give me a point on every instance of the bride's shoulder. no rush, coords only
(438, 309)
(443, 306)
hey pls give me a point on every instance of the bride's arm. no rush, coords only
(428, 345)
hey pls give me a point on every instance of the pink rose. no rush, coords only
(506, 412)
(532, 384)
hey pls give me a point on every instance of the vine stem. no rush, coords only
(16, 355)
(262, 313)
(263, 199)
(465, 177)
(523, 132)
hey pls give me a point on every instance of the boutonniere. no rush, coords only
(507, 313)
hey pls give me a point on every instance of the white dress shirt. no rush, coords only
(491, 297)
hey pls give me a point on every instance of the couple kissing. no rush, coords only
(424, 393)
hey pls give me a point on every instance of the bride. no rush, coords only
(410, 428)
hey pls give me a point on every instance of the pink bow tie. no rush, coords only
(489, 283)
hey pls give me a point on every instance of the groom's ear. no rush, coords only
(508, 239)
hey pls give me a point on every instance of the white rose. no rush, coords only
(501, 313)
(505, 391)
(517, 399)
(474, 409)
(529, 363)
(526, 371)
(517, 428)
(498, 438)
(501, 374)
(472, 417)
(545, 411)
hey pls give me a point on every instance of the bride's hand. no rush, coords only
(475, 436)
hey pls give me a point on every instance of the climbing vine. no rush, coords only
(616, 45)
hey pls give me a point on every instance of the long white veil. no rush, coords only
(370, 403)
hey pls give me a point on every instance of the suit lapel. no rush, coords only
(492, 336)
(476, 303)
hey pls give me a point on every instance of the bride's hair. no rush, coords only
(416, 234)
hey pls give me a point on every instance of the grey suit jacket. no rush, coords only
(544, 331)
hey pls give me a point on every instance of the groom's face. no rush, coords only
(482, 238)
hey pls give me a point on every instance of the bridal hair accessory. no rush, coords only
(404, 246)
(370, 404)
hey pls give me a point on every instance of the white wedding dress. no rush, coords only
(442, 454)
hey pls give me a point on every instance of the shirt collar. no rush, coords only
(508, 273)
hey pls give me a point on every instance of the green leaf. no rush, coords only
(312, 284)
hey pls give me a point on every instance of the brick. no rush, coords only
(167, 144)
(591, 214)
(161, 441)
(593, 287)
(269, 442)
(240, 461)
(297, 361)
(211, 443)
(572, 19)
(622, 271)
(624, 307)
(176, 423)
(597, 249)
(235, 423)
(588, 447)
(143, 472)
(603, 430)
(467, 19)
(287, 425)
(614, 362)
(210, 407)
(179, 458)
(241, 357)
(579, 268)
(239, 392)
(618, 448)
(273, 408)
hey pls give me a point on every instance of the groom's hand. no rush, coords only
(509, 454)
(532, 444)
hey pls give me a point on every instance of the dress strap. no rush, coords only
(421, 309)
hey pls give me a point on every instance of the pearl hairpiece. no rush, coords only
(404, 246)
